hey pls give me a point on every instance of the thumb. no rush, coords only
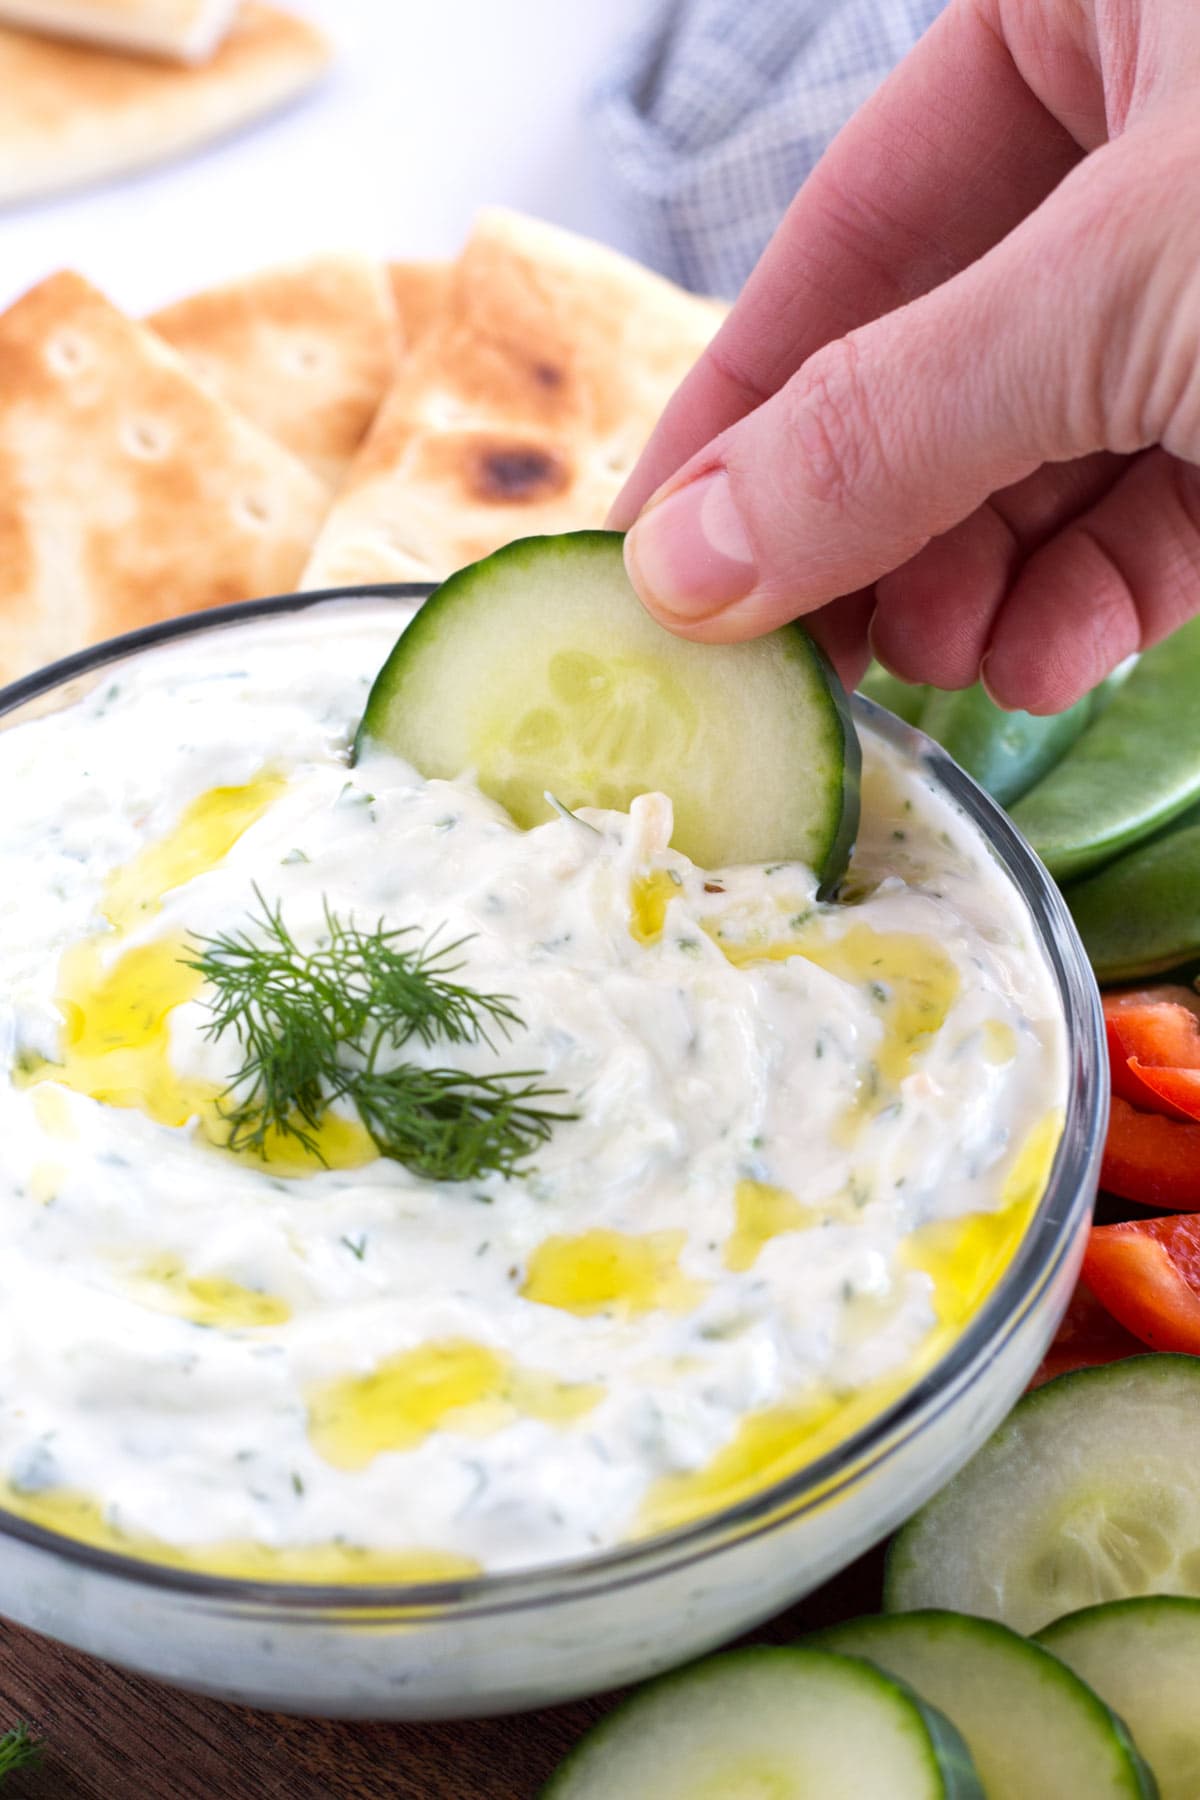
(1046, 349)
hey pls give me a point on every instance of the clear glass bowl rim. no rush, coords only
(1046, 1245)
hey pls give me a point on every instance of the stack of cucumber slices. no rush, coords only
(539, 671)
(1087, 1493)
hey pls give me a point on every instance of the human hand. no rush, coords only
(958, 402)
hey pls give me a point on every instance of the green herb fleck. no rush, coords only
(354, 796)
(319, 1026)
(356, 1246)
(18, 1750)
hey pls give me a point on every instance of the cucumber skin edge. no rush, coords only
(1143, 1775)
(1181, 1603)
(837, 856)
(431, 607)
(951, 1757)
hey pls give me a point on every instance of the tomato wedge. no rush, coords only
(1147, 1273)
(1175, 1092)
(1087, 1336)
(1152, 1160)
(1170, 991)
(1154, 1049)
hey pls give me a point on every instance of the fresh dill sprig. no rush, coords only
(18, 1750)
(452, 1126)
(316, 1026)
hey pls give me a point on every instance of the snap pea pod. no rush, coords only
(1006, 752)
(1141, 914)
(1134, 769)
(901, 697)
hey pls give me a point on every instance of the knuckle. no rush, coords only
(1137, 354)
(830, 436)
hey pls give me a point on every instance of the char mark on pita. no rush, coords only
(523, 405)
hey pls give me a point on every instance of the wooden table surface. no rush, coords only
(114, 1736)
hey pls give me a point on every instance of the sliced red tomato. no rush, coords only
(1147, 1273)
(1151, 1030)
(1087, 1336)
(1152, 1160)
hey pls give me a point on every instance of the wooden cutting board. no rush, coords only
(113, 1736)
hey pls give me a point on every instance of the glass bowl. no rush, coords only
(505, 1642)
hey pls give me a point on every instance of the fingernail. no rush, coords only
(984, 681)
(689, 556)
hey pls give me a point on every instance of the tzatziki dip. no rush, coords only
(794, 1142)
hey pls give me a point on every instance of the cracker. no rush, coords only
(521, 410)
(182, 30)
(307, 352)
(128, 491)
(73, 114)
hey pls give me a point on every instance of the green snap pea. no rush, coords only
(900, 697)
(1141, 914)
(1134, 769)
(1006, 752)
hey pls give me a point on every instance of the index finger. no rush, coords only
(945, 158)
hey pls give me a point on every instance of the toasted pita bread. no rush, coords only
(128, 491)
(73, 114)
(306, 352)
(183, 30)
(521, 411)
(420, 291)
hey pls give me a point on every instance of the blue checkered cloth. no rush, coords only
(713, 115)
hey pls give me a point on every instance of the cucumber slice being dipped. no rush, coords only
(768, 1724)
(1032, 1727)
(1143, 1658)
(539, 669)
(1087, 1492)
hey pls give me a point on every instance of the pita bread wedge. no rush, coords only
(182, 30)
(420, 291)
(306, 352)
(521, 411)
(73, 114)
(128, 491)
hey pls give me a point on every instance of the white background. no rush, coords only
(432, 108)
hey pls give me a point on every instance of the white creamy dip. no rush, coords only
(808, 1139)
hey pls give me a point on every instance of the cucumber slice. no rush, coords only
(539, 669)
(1006, 752)
(767, 1724)
(1032, 1727)
(1143, 1658)
(1087, 1492)
(903, 698)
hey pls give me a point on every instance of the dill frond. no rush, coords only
(19, 1749)
(314, 1025)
